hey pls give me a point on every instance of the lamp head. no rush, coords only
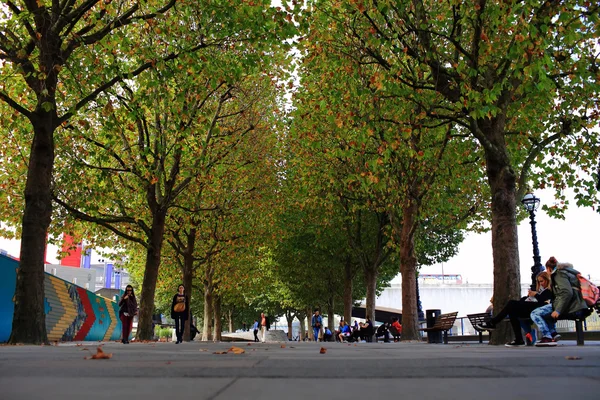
(530, 202)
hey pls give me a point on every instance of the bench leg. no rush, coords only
(445, 337)
(480, 337)
(579, 332)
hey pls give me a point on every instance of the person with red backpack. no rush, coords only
(567, 299)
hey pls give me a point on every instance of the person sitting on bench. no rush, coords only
(327, 335)
(384, 331)
(396, 329)
(522, 308)
(344, 331)
(567, 300)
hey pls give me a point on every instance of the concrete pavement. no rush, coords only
(295, 370)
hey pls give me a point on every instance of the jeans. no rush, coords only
(126, 324)
(540, 318)
(316, 331)
(179, 326)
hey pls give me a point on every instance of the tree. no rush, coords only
(43, 49)
(521, 79)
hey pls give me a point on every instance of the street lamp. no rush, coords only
(531, 203)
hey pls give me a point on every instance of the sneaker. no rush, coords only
(486, 326)
(514, 343)
(529, 339)
(555, 336)
(546, 342)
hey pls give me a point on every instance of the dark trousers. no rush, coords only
(256, 335)
(179, 327)
(516, 309)
(126, 325)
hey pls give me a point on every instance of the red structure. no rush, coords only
(73, 257)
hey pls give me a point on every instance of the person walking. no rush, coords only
(180, 309)
(127, 310)
(316, 322)
(264, 326)
(255, 329)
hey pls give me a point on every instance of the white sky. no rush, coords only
(571, 240)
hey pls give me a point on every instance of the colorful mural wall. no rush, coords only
(72, 313)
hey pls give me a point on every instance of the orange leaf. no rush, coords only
(100, 355)
(323, 350)
(237, 350)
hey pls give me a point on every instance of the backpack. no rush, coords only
(589, 291)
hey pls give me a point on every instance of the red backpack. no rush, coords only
(589, 291)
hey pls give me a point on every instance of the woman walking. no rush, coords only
(180, 311)
(127, 310)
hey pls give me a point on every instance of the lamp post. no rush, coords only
(531, 203)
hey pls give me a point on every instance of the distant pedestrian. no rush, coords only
(264, 326)
(316, 322)
(255, 329)
(244, 328)
(180, 309)
(127, 310)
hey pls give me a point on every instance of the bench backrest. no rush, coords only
(445, 321)
(477, 319)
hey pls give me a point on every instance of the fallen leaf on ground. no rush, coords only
(237, 350)
(220, 352)
(203, 349)
(573, 358)
(283, 346)
(249, 344)
(85, 348)
(100, 355)
(323, 350)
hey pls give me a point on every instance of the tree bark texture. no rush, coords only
(348, 276)
(408, 269)
(505, 248)
(188, 265)
(218, 328)
(29, 319)
(153, 253)
(207, 328)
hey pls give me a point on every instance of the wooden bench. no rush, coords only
(443, 323)
(477, 319)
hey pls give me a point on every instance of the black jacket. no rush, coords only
(183, 314)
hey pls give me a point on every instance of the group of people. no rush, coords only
(557, 293)
(180, 306)
(263, 325)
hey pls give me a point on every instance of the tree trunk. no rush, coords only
(217, 314)
(153, 252)
(289, 317)
(29, 319)
(330, 314)
(303, 334)
(408, 269)
(371, 281)
(505, 247)
(208, 313)
(311, 333)
(348, 276)
(188, 265)
(230, 320)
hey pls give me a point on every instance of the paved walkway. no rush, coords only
(292, 370)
